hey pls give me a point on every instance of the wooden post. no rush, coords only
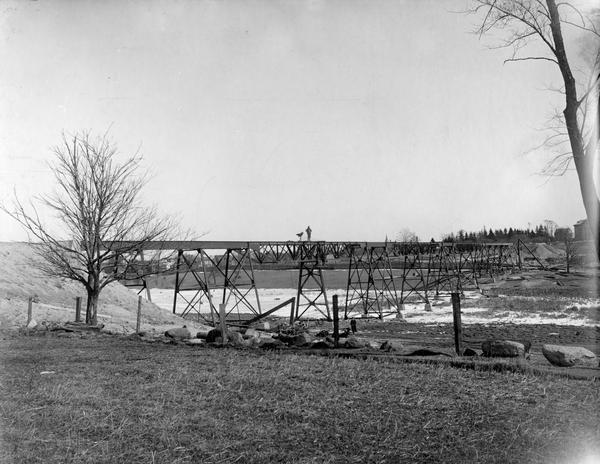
(222, 317)
(29, 309)
(457, 323)
(568, 253)
(292, 311)
(139, 315)
(336, 321)
(78, 309)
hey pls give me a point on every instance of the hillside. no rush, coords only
(54, 298)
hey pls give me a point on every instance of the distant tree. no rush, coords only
(97, 202)
(406, 235)
(545, 20)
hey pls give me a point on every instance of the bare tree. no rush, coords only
(525, 21)
(406, 235)
(97, 203)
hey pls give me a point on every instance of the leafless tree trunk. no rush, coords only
(524, 20)
(97, 202)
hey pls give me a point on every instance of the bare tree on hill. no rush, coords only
(97, 202)
(522, 22)
(406, 235)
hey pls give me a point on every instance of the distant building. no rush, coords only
(563, 233)
(582, 230)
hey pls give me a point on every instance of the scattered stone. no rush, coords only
(302, 339)
(32, 324)
(567, 356)
(212, 335)
(235, 338)
(503, 349)
(194, 341)
(271, 344)
(250, 332)
(389, 346)
(266, 326)
(203, 333)
(179, 333)
(353, 342)
(322, 344)
(322, 334)
(470, 352)
(372, 344)
(345, 333)
(425, 352)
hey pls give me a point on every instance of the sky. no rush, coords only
(258, 118)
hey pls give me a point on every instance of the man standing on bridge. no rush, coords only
(308, 233)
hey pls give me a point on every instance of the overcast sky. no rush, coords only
(258, 118)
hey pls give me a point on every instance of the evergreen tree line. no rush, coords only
(539, 233)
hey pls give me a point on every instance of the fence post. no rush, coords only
(336, 321)
(29, 309)
(292, 311)
(223, 322)
(139, 315)
(78, 309)
(457, 323)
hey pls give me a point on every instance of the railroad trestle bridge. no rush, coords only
(381, 276)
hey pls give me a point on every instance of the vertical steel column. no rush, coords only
(179, 253)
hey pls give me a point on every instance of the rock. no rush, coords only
(389, 346)
(212, 335)
(470, 352)
(179, 333)
(266, 326)
(302, 339)
(203, 333)
(250, 332)
(271, 344)
(567, 356)
(322, 344)
(32, 324)
(235, 338)
(353, 342)
(502, 349)
(322, 334)
(194, 341)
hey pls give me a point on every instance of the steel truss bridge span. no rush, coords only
(381, 276)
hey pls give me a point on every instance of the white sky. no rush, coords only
(258, 118)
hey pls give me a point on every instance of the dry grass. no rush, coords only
(118, 400)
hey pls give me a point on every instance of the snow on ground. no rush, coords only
(441, 308)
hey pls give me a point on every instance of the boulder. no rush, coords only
(322, 344)
(179, 333)
(503, 349)
(353, 342)
(302, 339)
(212, 335)
(194, 341)
(32, 324)
(270, 344)
(567, 356)
(390, 346)
(250, 332)
(470, 352)
(235, 338)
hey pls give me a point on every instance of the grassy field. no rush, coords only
(110, 399)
